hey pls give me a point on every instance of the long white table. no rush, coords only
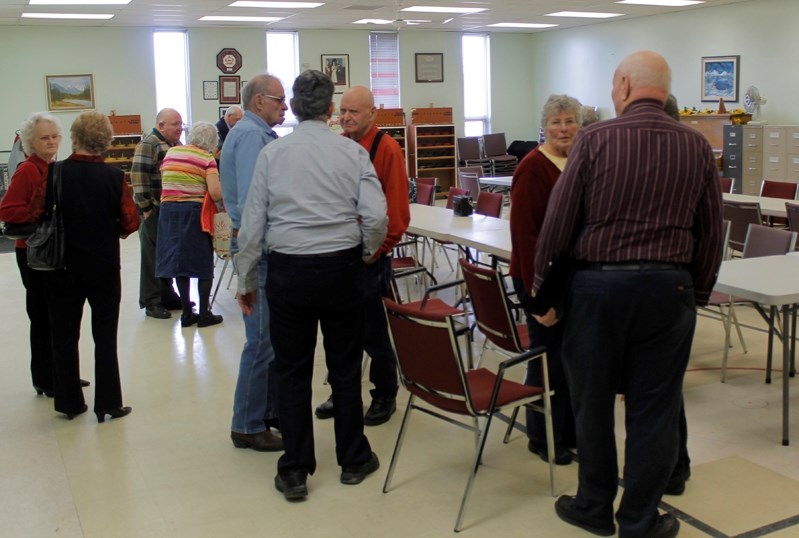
(771, 281)
(771, 207)
(496, 181)
(486, 234)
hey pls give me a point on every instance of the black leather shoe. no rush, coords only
(84, 383)
(264, 441)
(325, 410)
(562, 454)
(119, 412)
(157, 311)
(74, 414)
(175, 304)
(666, 526)
(676, 484)
(292, 485)
(566, 511)
(207, 319)
(42, 391)
(188, 321)
(380, 411)
(354, 474)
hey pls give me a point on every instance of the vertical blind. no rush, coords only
(384, 68)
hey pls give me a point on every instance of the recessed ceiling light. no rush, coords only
(276, 5)
(438, 9)
(225, 18)
(521, 25)
(77, 2)
(666, 3)
(85, 16)
(373, 21)
(584, 14)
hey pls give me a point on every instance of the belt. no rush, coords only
(335, 254)
(635, 266)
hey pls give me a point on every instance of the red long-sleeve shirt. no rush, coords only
(27, 183)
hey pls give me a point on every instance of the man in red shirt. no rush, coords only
(357, 119)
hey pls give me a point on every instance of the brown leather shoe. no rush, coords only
(264, 441)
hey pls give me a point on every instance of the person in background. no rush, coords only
(97, 209)
(317, 206)
(41, 136)
(533, 181)
(644, 229)
(183, 249)
(255, 400)
(156, 295)
(357, 119)
(232, 116)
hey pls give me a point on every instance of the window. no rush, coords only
(384, 68)
(476, 84)
(282, 61)
(172, 73)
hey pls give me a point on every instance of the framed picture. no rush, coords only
(230, 89)
(210, 90)
(429, 67)
(720, 78)
(222, 110)
(337, 67)
(70, 92)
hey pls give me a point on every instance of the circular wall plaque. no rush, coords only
(228, 61)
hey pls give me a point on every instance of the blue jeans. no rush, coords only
(255, 398)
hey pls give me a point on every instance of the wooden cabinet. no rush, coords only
(432, 154)
(712, 126)
(127, 134)
(400, 135)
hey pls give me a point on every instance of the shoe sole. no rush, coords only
(298, 494)
(351, 479)
(159, 316)
(545, 458)
(585, 526)
(323, 416)
(244, 444)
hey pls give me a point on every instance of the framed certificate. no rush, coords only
(230, 89)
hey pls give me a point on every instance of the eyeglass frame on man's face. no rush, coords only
(281, 100)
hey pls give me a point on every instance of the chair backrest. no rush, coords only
(793, 216)
(427, 181)
(453, 192)
(741, 215)
(494, 144)
(491, 306)
(425, 194)
(469, 148)
(428, 356)
(727, 184)
(766, 241)
(471, 182)
(489, 204)
(778, 189)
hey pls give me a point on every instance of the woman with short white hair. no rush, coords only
(183, 250)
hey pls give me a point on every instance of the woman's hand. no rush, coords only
(548, 319)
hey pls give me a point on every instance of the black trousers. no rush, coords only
(66, 294)
(36, 306)
(376, 342)
(303, 293)
(629, 332)
(152, 290)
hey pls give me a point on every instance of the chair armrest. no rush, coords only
(520, 358)
(438, 287)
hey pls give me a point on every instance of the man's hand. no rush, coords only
(246, 302)
(548, 319)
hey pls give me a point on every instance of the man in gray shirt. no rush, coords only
(316, 197)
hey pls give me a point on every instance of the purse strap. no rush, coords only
(57, 191)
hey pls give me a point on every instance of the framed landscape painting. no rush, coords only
(720, 78)
(70, 92)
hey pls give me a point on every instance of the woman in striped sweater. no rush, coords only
(183, 250)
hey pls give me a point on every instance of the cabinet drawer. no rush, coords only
(792, 140)
(753, 138)
(773, 166)
(733, 138)
(774, 139)
(751, 186)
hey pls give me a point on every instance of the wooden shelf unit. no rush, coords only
(400, 135)
(127, 134)
(433, 153)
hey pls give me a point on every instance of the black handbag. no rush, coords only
(18, 230)
(462, 206)
(46, 244)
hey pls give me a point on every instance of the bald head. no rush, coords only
(641, 75)
(169, 123)
(357, 112)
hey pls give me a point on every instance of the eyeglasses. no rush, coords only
(280, 100)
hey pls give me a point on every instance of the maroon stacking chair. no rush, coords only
(727, 184)
(778, 189)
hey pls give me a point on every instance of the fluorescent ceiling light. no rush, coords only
(89, 16)
(276, 5)
(77, 2)
(584, 14)
(224, 18)
(437, 9)
(373, 21)
(666, 3)
(521, 25)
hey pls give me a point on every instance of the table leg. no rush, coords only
(786, 360)
(793, 340)
(771, 320)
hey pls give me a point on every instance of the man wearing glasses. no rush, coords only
(254, 402)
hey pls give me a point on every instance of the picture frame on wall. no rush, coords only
(222, 110)
(337, 67)
(720, 78)
(230, 89)
(210, 90)
(70, 92)
(429, 67)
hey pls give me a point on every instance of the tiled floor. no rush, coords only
(170, 470)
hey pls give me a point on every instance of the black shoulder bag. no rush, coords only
(46, 244)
